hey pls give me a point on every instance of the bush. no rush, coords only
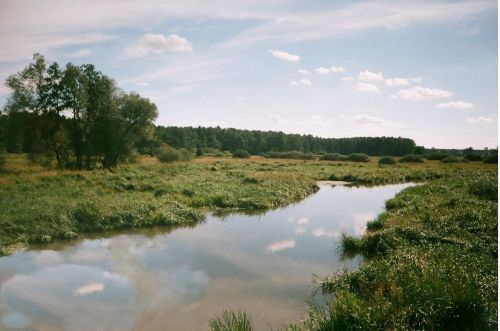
(219, 154)
(387, 160)
(241, 154)
(492, 158)
(168, 154)
(437, 156)
(354, 157)
(473, 157)
(357, 157)
(332, 157)
(450, 159)
(411, 158)
(294, 155)
(185, 155)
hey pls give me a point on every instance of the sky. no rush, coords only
(427, 70)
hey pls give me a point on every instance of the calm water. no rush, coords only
(153, 280)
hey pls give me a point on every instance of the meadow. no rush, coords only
(430, 258)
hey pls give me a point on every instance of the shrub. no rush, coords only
(332, 157)
(411, 158)
(450, 159)
(437, 156)
(387, 160)
(357, 157)
(219, 154)
(168, 154)
(473, 157)
(241, 154)
(294, 155)
(185, 155)
(492, 158)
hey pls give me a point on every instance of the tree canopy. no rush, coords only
(74, 114)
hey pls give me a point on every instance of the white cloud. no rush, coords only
(299, 231)
(322, 71)
(142, 84)
(402, 81)
(322, 232)
(455, 105)
(61, 24)
(423, 93)
(89, 289)
(302, 81)
(278, 118)
(372, 121)
(84, 52)
(417, 80)
(316, 121)
(280, 245)
(369, 75)
(302, 221)
(365, 87)
(282, 55)
(348, 78)
(479, 120)
(157, 44)
(397, 82)
(303, 71)
(326, 71)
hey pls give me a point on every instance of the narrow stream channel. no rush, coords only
(152, 280)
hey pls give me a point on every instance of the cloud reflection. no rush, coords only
(281, 245)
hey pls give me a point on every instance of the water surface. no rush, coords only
(157, 280)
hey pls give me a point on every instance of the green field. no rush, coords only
(431, 257)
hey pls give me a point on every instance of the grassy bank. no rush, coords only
(40, 205)
(431, 262)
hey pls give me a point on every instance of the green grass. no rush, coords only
(431, 257)
(230, 321)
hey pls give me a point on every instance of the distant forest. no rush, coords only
(257, 142)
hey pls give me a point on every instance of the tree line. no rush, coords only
(258, 142)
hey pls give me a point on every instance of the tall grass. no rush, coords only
(231, 321)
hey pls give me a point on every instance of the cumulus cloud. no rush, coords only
(156, 44)
(326, 71)
(365, 87)
(89, 289)
(281, 245)
(455, 105)
(348, 78)
(302, 81)
(367, 120)
(423, 93)
(303, 71)
(402, 81)
(479, 120)
(282, 55)
(278, 118)
(369, 75)
(322, 232)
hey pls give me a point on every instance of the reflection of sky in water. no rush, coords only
(263, 264)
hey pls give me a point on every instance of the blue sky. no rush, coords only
(420, 69)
